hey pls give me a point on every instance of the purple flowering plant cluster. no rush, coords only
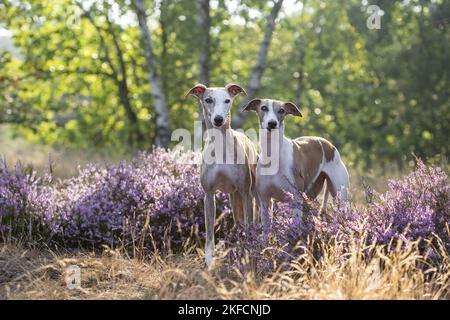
(156, 200)
(24, 202)
(415, 208)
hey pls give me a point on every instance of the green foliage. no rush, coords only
(379, 95)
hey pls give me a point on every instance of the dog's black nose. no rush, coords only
(218, 121)
(272, 124)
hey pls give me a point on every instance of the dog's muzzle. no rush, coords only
(218, 121)
(272, 125)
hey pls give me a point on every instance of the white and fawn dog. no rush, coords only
(228, 161)
(302, 164)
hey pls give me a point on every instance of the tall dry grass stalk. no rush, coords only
(369, 272)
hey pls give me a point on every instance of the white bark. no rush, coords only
(204, 25)
(157, 90)
(258, 70)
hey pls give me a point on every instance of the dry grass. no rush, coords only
(32, 274)
(402, 274)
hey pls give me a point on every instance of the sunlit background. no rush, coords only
(75, 81)
(97, 81)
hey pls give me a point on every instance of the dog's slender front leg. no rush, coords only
(247, 201)
(210, 217)
(264, 208)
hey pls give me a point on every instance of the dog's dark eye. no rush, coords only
(208, 100)
(227, 101)
(264, 108)
(281, 111)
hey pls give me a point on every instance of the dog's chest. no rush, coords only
(223, 171)
(223, 177)
(276, 185)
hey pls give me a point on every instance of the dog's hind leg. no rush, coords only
(317, 187)
(237, 207)
(338, 178)
(323, 208)
(210, 217)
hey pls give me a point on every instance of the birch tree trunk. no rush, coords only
(204, 25)
(162, 114)
(124, 92)
(258, 70)
(118, 74)
(300, 45)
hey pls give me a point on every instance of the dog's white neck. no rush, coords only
(272, 142)
(218, 139)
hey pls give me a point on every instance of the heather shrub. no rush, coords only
(24, 202)
(416, 207)
(154, 201)
(286, 241)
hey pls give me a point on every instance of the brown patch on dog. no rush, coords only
(317, 186)
(328, 148)
(256, 104)
(308, 155)
(307, 159)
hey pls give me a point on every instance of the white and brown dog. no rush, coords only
(301, 165)
(228, 160)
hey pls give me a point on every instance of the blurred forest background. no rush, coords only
(111, 74)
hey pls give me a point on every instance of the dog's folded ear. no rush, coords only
(252, 105)
(198, 90)
(291, 108)
(234, 89)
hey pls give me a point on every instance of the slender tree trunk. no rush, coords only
(136, 134)
(258, 69)
(157, 90)
(300, 44)
(163, 22)
(204, 25)
(124, 92)
(119, 76)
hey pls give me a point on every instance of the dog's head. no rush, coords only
(216, 102)
(272, 112)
